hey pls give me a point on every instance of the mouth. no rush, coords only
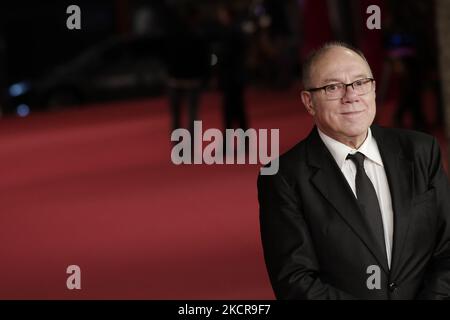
(352, 113)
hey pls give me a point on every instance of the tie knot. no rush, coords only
(357, 158)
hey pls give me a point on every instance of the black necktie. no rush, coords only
(367, 198)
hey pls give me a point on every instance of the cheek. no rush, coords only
(328, 116)
(369, 100)
(370, 105)
(372, 109)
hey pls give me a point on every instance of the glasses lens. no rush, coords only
(335, 90)
(362, 86)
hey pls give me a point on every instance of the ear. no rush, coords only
(307, 102)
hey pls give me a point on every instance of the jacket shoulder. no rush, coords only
(289, 161)
(411, 142)
(409, 135)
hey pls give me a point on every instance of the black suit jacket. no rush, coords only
(316, 245)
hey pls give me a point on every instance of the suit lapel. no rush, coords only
(331, 183)
(399, 172)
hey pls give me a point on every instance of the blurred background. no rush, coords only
(86, 115)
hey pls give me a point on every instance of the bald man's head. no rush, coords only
(317, 54)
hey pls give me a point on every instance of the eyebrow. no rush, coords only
(332, 80)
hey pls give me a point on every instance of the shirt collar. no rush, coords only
(339, 151)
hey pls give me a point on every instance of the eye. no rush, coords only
(332, 87)
(359, 83)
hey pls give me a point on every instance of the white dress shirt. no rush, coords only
(374, 168)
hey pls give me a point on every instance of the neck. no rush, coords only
(354, 142)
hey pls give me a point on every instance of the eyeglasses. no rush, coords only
(339, 89)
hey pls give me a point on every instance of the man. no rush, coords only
(231, 67)
(187, 61)
(355, 211)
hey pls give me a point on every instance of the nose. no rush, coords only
(350, 95)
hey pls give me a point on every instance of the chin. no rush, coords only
(355, 132)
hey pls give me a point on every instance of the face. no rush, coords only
(346, 119)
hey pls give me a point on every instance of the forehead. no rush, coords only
(339, 64)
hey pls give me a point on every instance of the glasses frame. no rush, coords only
(345, 84)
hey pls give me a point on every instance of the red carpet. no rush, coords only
(95, 187)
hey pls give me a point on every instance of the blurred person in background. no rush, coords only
(231, 55)
(188, 61)
(411, 51)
